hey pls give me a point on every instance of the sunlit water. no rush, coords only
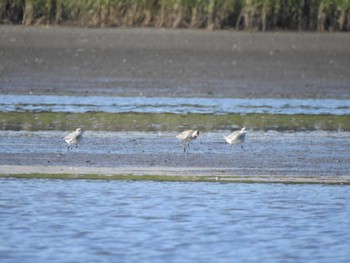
(43, 103)
(122, 221)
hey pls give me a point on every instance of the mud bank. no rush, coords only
(181, 63)
(273, 154)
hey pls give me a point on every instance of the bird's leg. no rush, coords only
(242, 147)
(183, 146)
(68, 148)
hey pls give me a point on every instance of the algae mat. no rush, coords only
(158, 174)
(102, 121)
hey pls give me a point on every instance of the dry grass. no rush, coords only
(257, 15)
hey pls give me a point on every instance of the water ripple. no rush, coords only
(42, 103)
(120, 221)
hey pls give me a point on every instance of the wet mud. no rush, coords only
(266, 153)
(178, 63)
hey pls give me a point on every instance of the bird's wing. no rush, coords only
(70, 136)
(233, 135)
(184, 134)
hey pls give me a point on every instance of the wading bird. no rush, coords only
(74, 138)
(236, 137)
(186, 137)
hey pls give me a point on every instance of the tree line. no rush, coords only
(252, 15)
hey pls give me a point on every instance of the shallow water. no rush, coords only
(74, 104)
(122, 221)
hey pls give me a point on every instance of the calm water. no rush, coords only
(122, 221)
(36, 103)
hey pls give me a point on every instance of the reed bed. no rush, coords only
(252, 15)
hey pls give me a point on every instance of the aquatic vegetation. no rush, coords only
(180, 178)
(157, 122)
(321, 15)
(129, 177)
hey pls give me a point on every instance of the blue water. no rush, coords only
(37, 103)
(121, 221)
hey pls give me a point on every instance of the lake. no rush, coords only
(124, 221)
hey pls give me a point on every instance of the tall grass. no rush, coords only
(257, 15)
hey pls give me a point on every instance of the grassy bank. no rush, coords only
(321, 15)
(168, 122)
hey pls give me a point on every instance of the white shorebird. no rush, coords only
(186, 137)
(236, 137)
(74, 138)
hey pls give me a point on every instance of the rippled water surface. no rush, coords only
(122, 221)
(34, 103)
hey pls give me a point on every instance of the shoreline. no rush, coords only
(163, 174)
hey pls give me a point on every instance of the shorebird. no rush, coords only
(236, 137)
(186, 137)
(74, 138)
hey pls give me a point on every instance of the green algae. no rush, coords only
(127, 177)
(174, 178)
(152, 122)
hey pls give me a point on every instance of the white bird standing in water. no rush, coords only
(236, 137)
(74, 138)
(186, 137)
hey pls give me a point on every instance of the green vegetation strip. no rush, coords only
(151, 122)
(261, 15)
(128, 177)
(165, 178)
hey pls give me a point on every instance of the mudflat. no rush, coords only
(177, 63)
(305, 157)
(186, 63)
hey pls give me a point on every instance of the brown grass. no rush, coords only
(256, 15)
